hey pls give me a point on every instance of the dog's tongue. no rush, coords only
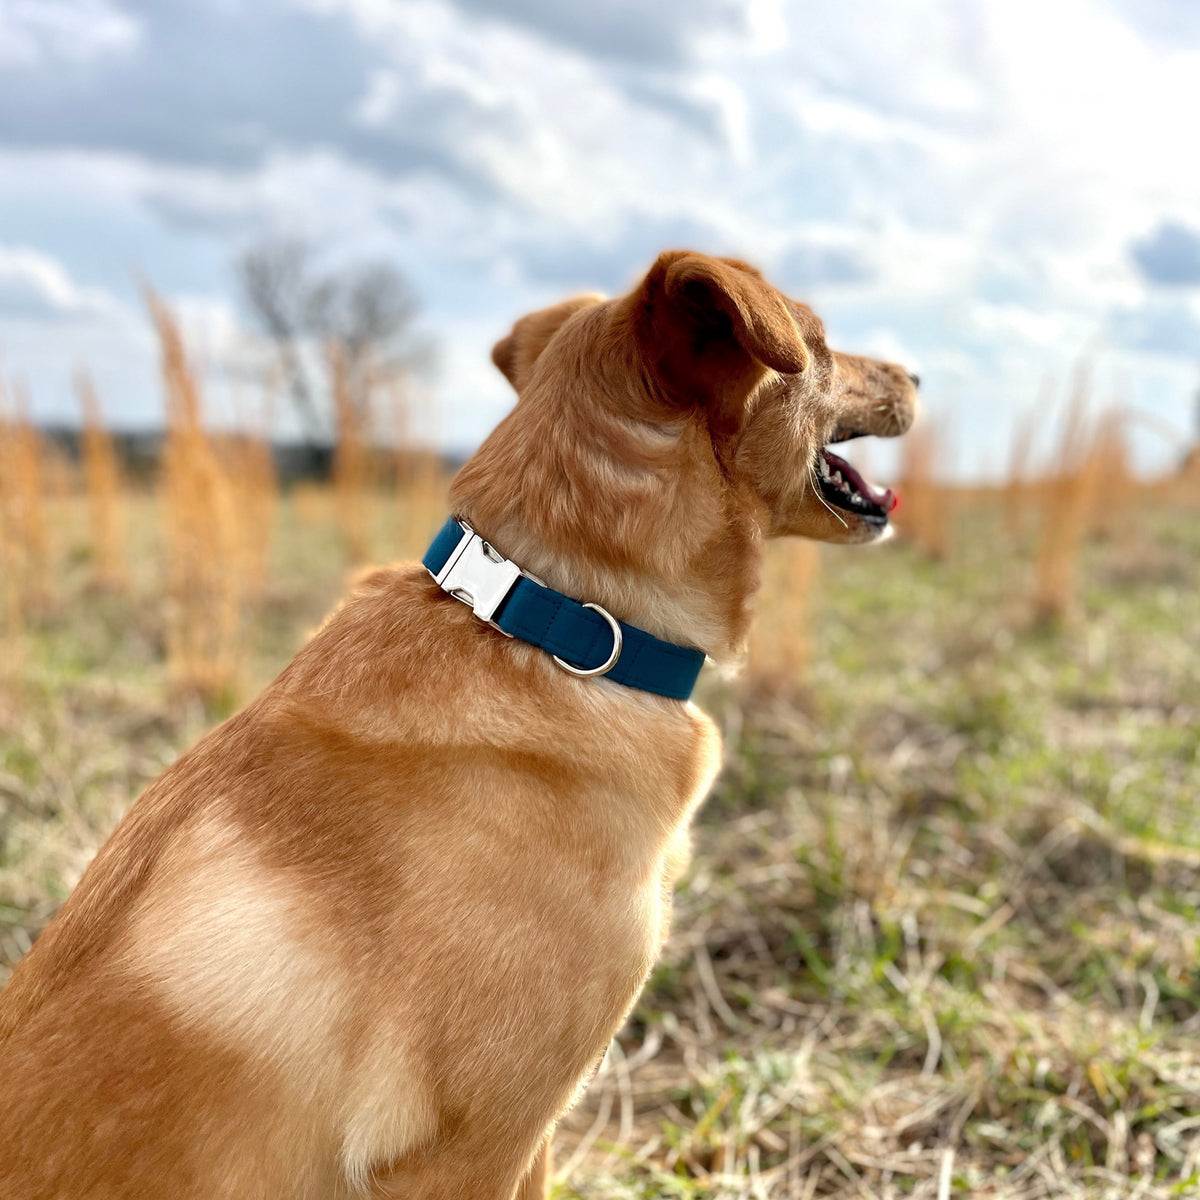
(885, 498)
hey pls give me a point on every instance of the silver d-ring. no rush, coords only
(604, 667)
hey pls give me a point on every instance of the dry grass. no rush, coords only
(924, 513)
(102, 482)
(939, 935)
(419, 475)
(781, 642)
(939, 938)
(24, 481)
(205, 584)
(1068, 495)
(34, 484)
(1115, 488)
(12, 557)
(1016, 485)
(847, 1014)
(252, 476)
(252, 473)
(351, 462)
(1185, 486)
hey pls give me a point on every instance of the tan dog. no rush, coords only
(371, 935)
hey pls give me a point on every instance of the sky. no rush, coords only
(989, 191)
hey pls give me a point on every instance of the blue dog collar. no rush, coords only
(584, 639)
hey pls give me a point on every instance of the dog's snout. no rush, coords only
(916, 379)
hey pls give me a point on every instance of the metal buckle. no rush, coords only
(478, 575)
(604, 667)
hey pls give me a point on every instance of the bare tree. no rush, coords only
(366, 310)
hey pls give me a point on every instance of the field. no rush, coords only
(941, 931)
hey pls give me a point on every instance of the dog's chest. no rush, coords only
(641, 859)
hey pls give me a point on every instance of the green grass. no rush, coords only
(942, 929)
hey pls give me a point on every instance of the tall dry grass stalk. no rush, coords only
(1016, 483)
(423, 505)
(1114, 489)
(781, 642)
(311, 502)
(1067, 495)
(351, 461)
(1185, 485)
(400, 417)
(258, 496)
(102, 483)
(418, 473)
(206, 586)
(12, 559)
(256, 486)
(923, 515)
(26, 529)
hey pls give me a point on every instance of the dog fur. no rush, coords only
(371, 936)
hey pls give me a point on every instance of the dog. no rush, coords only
(372, 935)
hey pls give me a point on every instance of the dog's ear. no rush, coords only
(710, 326)
(515, 354)
(757, 314)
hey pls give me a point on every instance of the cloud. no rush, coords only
(1169, 256)
(871, 82)
(202, 83)
(816, 263)
(35, 287)
(317, 194)
(666, 32)
(710, 105)
(74, 31)
(1170, 329)
(1168, 22)
(948, 187)
(611, 260)
(405, 91)
(402, 88)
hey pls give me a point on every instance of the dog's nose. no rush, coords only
(916, 379)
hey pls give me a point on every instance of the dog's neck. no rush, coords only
(635, 517)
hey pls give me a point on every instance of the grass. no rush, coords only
(941, 933)
(925, 514)
(102, 482)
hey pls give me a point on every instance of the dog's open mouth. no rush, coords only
(844, 487)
